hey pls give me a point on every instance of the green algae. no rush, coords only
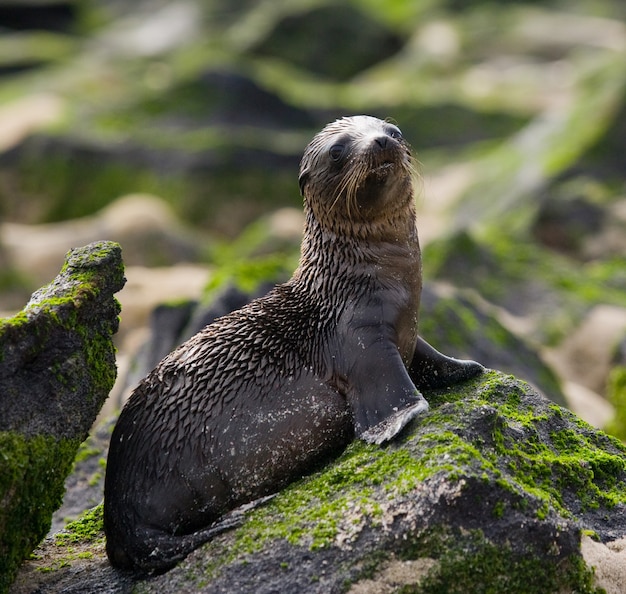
(616, 394)
(536, 459)
(27, 49)
(468, 562)
(87, 528)
(510, 269)
(82, 539)
(248, 275)
(542, 453)
(58, 331)
(86, 450)
(37, 467)
(504, 189)
(59, 181)
(254, 258)
(308, 510)
(452, 322)
(527, 452)
(497, 263)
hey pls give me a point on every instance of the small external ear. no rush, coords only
(304, 177)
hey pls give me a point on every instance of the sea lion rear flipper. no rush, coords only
(431, 369)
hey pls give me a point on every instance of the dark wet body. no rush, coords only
(263, 395)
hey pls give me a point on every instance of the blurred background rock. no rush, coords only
(176, 128)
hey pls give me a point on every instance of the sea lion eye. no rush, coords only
(336, 152)
(394, 132)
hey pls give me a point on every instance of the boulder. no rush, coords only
(147, 227)
(357, 41)
(57, 366)
(495, 489)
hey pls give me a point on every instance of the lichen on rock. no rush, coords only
(57, 366)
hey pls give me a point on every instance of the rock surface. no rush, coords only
(491, 490)
(57, 366)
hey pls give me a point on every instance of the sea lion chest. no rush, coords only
(377, 300)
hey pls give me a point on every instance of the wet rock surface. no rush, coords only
(58, 358)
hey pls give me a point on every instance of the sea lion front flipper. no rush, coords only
(431, 369)
(391, 426)
(383, 399)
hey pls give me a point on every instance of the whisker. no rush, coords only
(344, 187)
(355, 181)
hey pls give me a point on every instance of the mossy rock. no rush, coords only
(617, 396)
(490, 491)
(494, 484)
(513, 272)
(462, 326)
(351, 41)
(57, 366)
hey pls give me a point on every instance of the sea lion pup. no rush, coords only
(261, 396)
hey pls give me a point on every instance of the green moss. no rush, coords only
(86, 451)
(94, 479)
(28, 48)
(616, 394)
(100, 358)
(527, 451)
(255, 257)
(54, 182)
(454, 320)
(499, 509)
(528, 448)
(248, 275)
(88, 528)
(468, 562)
(84, 271)
(33, 469)
(82, 539)
(58, 181)
(568, 464)
(497, 265)
(309, 509)
(37, 467)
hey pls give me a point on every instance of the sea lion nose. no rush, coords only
(381, 141)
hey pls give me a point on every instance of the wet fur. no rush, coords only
(265, 394)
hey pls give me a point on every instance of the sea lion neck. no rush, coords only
(379, 253)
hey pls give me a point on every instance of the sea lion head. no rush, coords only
(357, 169)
